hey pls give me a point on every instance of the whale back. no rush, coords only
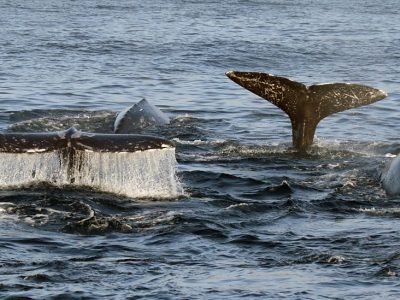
(391, 177)
(139, 116)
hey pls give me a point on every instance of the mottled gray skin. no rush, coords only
(73, 139)
(390, 177)
(306, 105)
(139, 116)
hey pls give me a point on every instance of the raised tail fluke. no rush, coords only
(305, 105)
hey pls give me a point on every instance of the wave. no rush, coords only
(57, 120)
(78, 211)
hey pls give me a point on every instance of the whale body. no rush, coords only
(306, 106)
(390, 178)
(139, 116)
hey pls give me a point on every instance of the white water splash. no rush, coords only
(381, 211)
(142, 174)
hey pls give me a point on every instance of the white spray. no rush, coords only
(141, 174)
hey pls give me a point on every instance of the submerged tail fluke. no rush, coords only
(73, 139)
(305, 105)
(137, 166)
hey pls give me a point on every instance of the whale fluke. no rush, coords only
(136, 166)
(73, 139)
(306, 105)
(139, 116)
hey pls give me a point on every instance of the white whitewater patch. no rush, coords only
(364, 148)
(142, 174)
(151, 220)
(336, 259)
(200, 142)
(381, 211)
(17, 169)
(5, 217)
(233, 206)
(335, 179)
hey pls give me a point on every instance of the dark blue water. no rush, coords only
(259, 220)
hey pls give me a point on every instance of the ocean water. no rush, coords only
(257, 220)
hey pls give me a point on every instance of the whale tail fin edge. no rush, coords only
(73, 139)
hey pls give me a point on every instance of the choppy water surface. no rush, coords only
(258, 220)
